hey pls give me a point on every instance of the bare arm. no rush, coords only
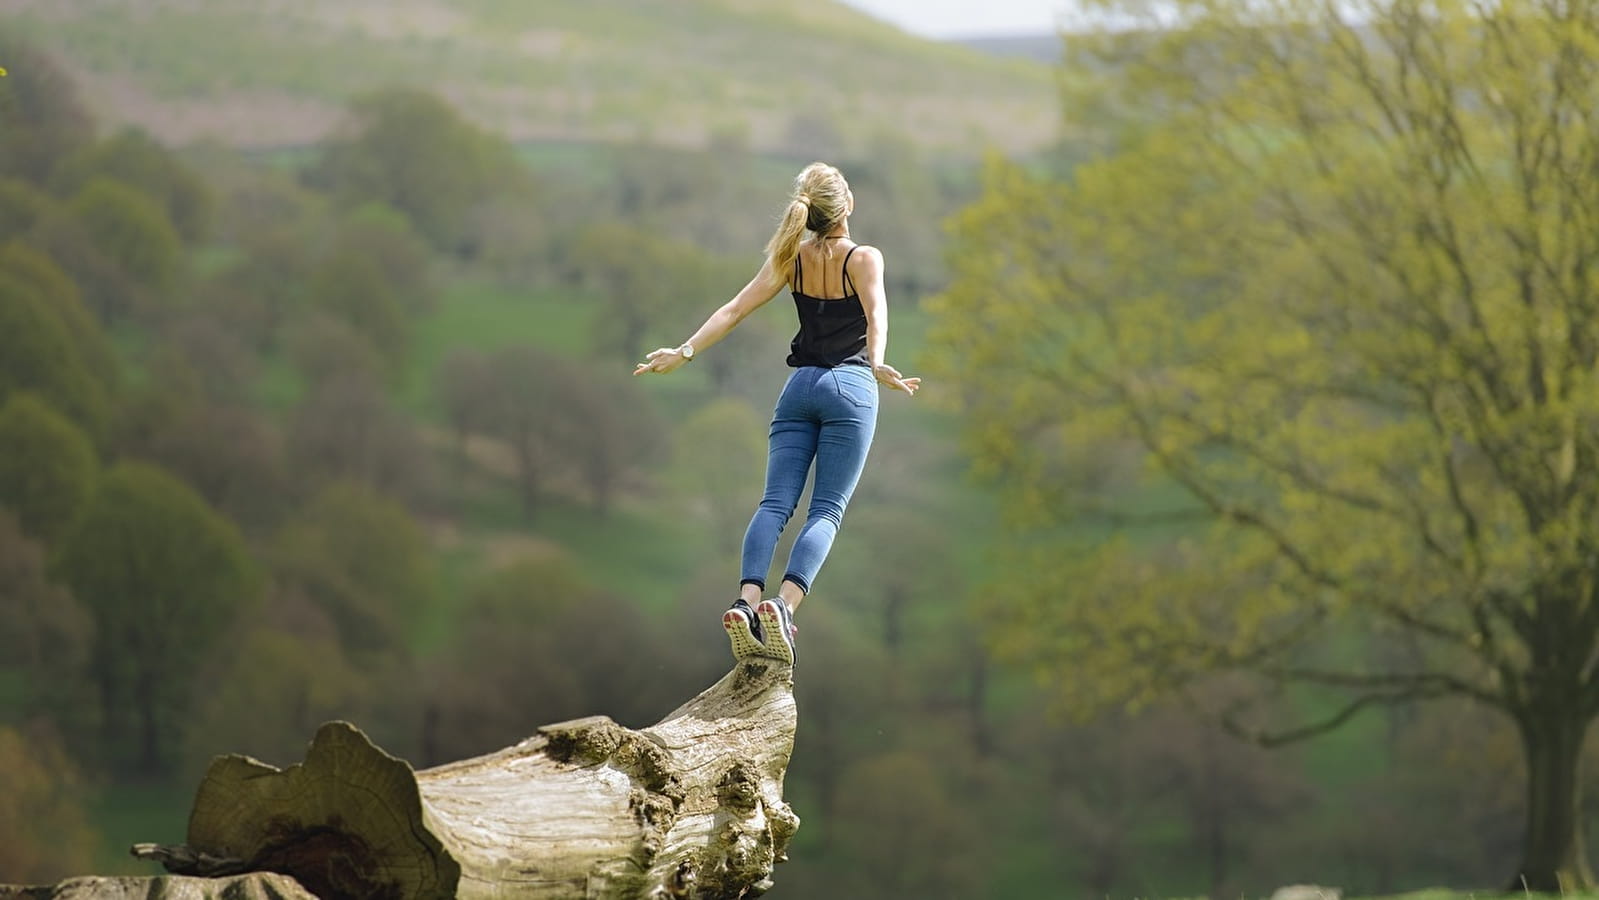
(866, 273)
(761, 289)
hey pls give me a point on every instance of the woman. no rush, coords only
(828, 408)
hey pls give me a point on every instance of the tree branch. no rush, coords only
(1330, 723)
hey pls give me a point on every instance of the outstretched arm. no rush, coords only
(762, 288)
(866, 273)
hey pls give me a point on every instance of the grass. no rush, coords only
(482, 315)
(130, 813)
(1439, 894)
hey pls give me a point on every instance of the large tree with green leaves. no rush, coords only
(131, 229)
(133, 158)
(47, 465)
(1298, 374)
(362, 559)
(61, 296)
(39, 352)
(163, 577)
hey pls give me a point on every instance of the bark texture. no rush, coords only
(691, 807)
(1556, 857)
(255, 886)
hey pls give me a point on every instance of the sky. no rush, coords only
(967, 18)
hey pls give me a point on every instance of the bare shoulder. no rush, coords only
(865, 262)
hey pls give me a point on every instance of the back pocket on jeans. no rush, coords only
(859, 391)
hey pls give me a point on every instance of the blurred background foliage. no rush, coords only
(331, 419)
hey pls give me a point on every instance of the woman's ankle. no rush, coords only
(792, 594)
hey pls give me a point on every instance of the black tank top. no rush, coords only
(831, 332)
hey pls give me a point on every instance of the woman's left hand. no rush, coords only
(887, 374)
(663, 361)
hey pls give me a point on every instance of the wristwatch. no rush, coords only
(687, 350)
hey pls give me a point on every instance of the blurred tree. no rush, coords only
(410, 150)
(352, 287)
(22, 206)
(45, 636)
(45, 831)
(260, 293)
(643, 281)
(131, 157)
(362, 559)
(898, 557)
(47, 466)
(517, 241)
(536, 642)
(698, 194)
(163, 575)
(327, 350)
(1103, 786)
(249, 198)
(604, 419)
(1228, 792)
(217, 445)
(274, 692)
(42, 120)
(108, 291)
(1338, 297)
(899, 202)
(464, 387)
(39, 353)
(760, 342)
(347, 429)
(724, 484)
(902, 833)
(527, 404)
(61, 295)
(131, 229)
(386, 237)
(203, 340)
(552, 415)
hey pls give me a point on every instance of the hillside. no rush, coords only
(1044, 48)
(782, 74)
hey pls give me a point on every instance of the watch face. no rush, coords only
(688, 351)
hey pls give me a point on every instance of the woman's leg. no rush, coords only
(792, 594)
(849, 420)
(791, 447)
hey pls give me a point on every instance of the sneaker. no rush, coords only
(743, 630)
(778, 624)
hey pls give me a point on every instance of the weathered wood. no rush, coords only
(254, 886)
(689, 807)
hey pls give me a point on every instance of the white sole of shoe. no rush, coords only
(772, 623)
(737, 626)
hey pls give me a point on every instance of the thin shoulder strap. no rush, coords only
(847, 281)
(799, 273)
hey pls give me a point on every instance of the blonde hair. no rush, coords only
(821, 200)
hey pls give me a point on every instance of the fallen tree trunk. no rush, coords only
(254, 886)
(690, 807)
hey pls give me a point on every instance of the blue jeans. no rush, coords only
(825, 415)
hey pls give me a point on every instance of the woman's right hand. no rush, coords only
(663, 361)
(887, 374)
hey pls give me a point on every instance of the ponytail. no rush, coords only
(821, 199)
(784, 245)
